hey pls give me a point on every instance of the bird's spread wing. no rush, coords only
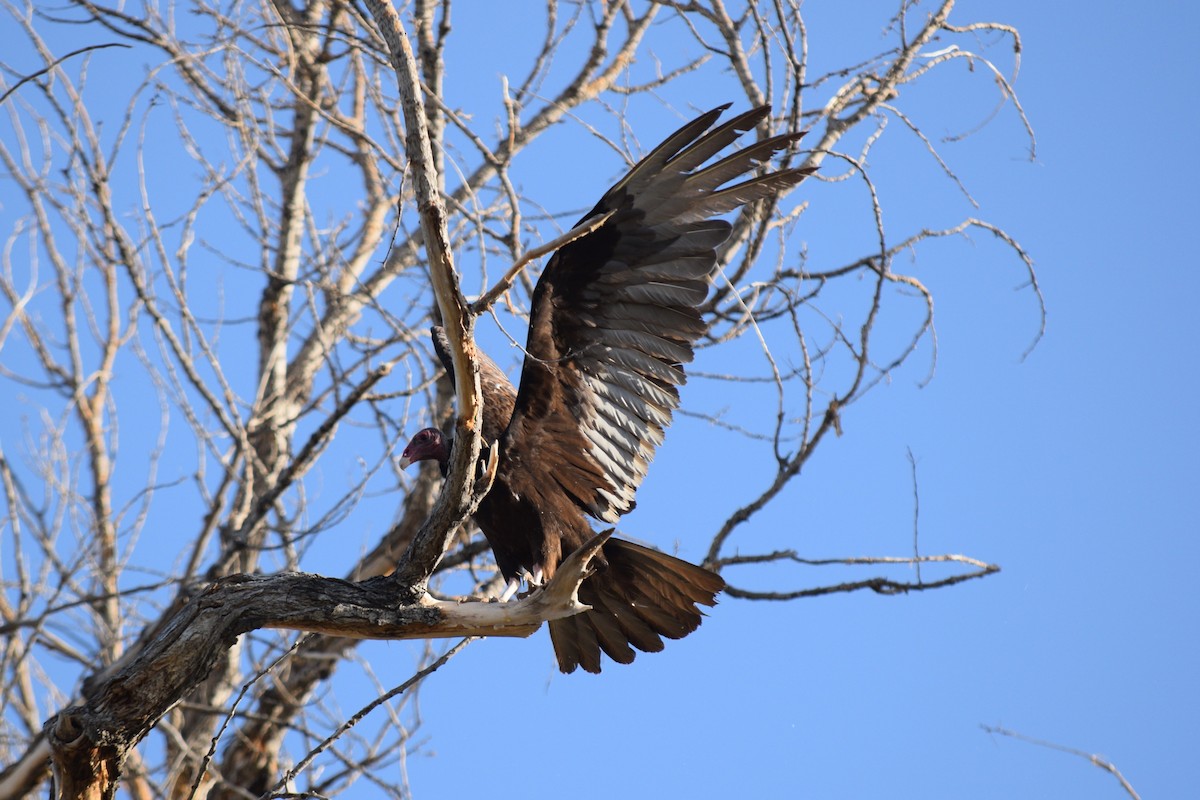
(614, 316)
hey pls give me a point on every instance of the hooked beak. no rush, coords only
(405, 461)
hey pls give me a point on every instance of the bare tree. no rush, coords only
(227, 230)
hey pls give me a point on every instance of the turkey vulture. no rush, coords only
(612, 320)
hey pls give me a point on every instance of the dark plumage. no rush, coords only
(613, 319)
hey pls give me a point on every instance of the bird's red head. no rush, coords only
(428, 443)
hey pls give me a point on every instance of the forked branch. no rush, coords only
(89, 742)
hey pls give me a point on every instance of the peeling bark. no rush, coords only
(89, 742)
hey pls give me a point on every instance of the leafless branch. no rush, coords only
(879, 585)
(1102, 763)
(89, 742)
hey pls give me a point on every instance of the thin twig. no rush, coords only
(291, 774)
(590, 224)
(1102, 763)
(55, 63)
(912, 460)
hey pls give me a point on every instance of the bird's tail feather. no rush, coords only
(642, 596)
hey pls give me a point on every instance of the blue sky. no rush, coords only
(1074, 469)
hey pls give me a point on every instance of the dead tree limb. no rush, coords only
(89, 742)
(458, 498)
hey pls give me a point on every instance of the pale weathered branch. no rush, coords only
(90, 741)
(456, 500)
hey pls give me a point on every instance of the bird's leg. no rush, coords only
(513, 585)
(537, 577)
